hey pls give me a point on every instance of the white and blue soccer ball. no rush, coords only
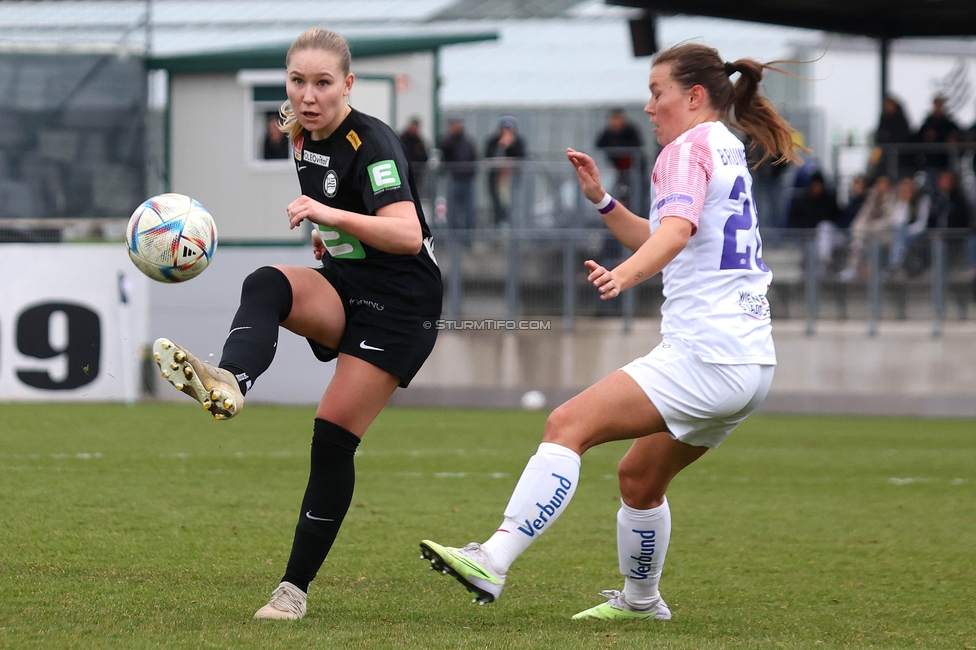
(171, 238)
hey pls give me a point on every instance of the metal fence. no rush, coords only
(531, 264)
(517, 273)
(933, 278)
(72, 135)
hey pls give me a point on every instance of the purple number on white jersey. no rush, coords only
(732, 258)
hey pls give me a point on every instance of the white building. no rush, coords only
(217, 111)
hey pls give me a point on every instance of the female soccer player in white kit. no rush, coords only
(716, 360)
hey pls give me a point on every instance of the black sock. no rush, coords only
(250, 346)
(327, 498)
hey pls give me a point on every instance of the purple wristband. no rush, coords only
(610, 206)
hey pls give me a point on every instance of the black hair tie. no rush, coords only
(730, 69)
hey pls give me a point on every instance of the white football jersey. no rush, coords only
(715, 289)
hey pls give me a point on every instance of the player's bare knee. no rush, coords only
(560, 430)
(638, 488)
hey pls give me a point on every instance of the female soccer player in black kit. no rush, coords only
(370, 305)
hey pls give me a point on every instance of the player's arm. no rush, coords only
(668, 240)
(395, 228)
(629, 229)
(682, 198)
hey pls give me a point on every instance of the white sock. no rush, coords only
(642, 544)
(541, 495)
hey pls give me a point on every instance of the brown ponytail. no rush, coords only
(699, 65)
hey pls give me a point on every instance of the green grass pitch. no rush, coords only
(155, 526)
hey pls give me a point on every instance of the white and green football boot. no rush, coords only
(469, 566)
(618, 609)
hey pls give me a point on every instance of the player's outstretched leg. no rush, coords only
(213, 387)
(543, 491)
(287, 603)
(469, 566)
(617, 608)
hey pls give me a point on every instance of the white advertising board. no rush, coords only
(73, 322)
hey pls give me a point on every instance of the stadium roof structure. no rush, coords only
(882, 19)
(273, 56)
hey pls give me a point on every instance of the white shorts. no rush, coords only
(701, 402)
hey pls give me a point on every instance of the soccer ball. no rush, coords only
(534, 400)
(171, 238)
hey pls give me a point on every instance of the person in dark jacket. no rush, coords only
(949, 207)
(458, 155)
(893, 129)
(856, 195)
(416, 152)
(503, 180)
(623, 146)
(814, 203)
(893, 125)
(938, 128)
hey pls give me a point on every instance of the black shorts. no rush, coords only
(380, 330)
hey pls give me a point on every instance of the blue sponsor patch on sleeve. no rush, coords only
(676, 197)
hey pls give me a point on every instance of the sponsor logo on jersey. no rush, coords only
(316, 158)
(354, 140)
(754, 305)
(362, 302)
(340, 244)
(296, 147)
(676, 197)
(383, 175)
(548, 510)
(646, 558)
(330, 184)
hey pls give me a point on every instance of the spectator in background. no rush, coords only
(909, 219)
(275, 142)
(622, 144)
(503, 180)
(917, 212)
(768, 188)
(416, 152)
(459, 155)
(949, 207)
(856, 195)
(937, 125)
(873, 219)
(938, 128)
(892, 129)
(815, 207)
(893, 125)
(813, 204)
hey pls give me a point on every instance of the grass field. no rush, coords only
(155, 526)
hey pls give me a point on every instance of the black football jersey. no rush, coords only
(361, 167)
